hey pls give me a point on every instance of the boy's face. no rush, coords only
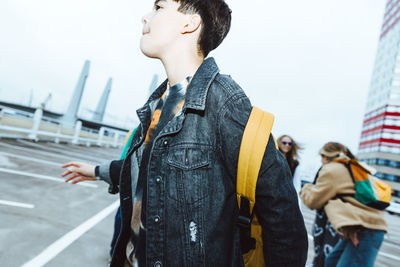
(162, 28)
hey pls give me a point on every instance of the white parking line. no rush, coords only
(44, 146)
(103, 152)
(54, 249)
(31, 159)
(45, 153)
(16, 204)
(390, 244)
(390, 256)
(44, 177)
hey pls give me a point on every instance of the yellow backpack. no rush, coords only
(254, 142)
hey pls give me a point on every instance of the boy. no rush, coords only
(178, 182)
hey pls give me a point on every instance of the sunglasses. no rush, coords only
(331, 157)
(286, 143)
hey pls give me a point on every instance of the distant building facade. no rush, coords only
(380, 137)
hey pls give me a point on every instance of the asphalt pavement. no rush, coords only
(46, 222)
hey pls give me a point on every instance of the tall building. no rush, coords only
(380, 137)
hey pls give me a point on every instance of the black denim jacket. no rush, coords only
(191, 187)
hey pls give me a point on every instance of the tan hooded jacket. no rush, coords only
(333, 179)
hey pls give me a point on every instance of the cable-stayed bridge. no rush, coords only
(37, 123)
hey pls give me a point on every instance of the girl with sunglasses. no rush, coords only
(288, 147)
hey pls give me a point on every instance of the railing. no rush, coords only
(34, 126)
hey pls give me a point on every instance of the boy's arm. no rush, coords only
(277, 209)
(283, 231)
(109, 172)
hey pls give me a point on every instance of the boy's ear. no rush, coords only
(192, 24)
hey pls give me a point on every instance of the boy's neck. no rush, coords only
(181, 65)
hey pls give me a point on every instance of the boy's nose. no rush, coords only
(145, 18)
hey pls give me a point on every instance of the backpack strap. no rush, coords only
(346, 163)
(254, 142)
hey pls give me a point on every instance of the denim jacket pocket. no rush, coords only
(188, 158)
(188, 173)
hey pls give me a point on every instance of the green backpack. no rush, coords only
(370, 190)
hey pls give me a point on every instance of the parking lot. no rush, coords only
(46, 222)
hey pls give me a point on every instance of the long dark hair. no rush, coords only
(291, 155)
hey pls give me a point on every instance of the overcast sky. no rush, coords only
(307, 61)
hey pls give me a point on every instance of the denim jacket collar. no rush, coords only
(196, 93)
(145, 112)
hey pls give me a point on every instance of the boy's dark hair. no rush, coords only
(216, 18)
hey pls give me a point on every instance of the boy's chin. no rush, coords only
(149, 54)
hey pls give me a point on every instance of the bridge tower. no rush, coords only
(70, 117)
(101, 106)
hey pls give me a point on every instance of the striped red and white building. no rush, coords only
(380, 136)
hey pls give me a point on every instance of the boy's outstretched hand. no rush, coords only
(78, 172)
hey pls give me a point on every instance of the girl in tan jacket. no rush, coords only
(361, 227)
(324, 235)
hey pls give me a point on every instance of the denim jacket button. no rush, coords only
(157, 219)
(158, 179)
(165, 143)
(157, 264)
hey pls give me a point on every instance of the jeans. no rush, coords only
(117, 230)
(345, 254)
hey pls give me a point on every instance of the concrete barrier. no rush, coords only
(25, 125)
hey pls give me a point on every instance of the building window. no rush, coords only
(396, 193)
(388, 177)
(383, 162)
